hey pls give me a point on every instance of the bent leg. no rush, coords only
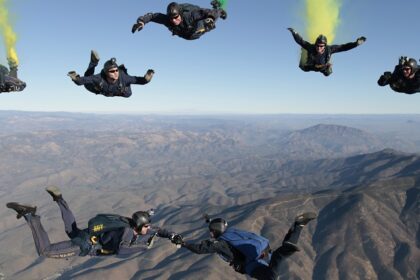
(263, 272)
(287, 248)
(70, 225)
(43, 245)
(90, 71)
(293, 234)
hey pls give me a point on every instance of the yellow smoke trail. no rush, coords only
(323, 17)
(7, 32)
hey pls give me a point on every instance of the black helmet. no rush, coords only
(217, 226)
(141, 218)
(173, 10)
(109, 64)
(321, 40)
(412, 63)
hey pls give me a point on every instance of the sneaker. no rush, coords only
(54, 192)
(21, 209)
(94, 57)
(305, 218)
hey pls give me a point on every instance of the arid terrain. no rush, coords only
(361, 174)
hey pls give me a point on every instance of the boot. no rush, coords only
(54, 192)
(305, 218)
(94, 57)
(21, 209)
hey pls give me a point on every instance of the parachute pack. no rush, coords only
(249, 244)
(103, 223)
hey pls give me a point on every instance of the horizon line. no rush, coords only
(180, 113)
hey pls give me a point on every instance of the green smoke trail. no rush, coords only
(223, 3)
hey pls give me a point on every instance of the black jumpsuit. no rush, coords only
(9, 80)
(399, 83)
(193, 22)
(120, 242)
(259, 269)
(320, 62)
(98, 83)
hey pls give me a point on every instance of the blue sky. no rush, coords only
(247, 65)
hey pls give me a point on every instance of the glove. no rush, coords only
(73, 75)
(360, 40)
(176, 239)
(149, 74)
(291, 30)
(137, 26)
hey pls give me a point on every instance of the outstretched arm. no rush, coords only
(348, 46)
(154, 17)
(163, 233)
(304, 44)
(204, 247)
(95, 79)
(128, 246)
(140, 80)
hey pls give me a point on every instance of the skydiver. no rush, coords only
(405, 78)
(124, 235)
(185, 20)
(247, 252)
(319, 54)
(9, 80)
(113, 79)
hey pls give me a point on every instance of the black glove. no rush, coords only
(177, 239)
(137, 26)
(291, 30)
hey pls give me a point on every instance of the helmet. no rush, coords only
(109, 64)
(321, 40)
(173, 10)
(217, 226)
(412, 63)
(141, 218)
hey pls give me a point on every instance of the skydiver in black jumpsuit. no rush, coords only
(266, 267)
(134, 238)
(9, 79)
(319, 54)
(184, 20)
(113, 79)
(404, 79)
